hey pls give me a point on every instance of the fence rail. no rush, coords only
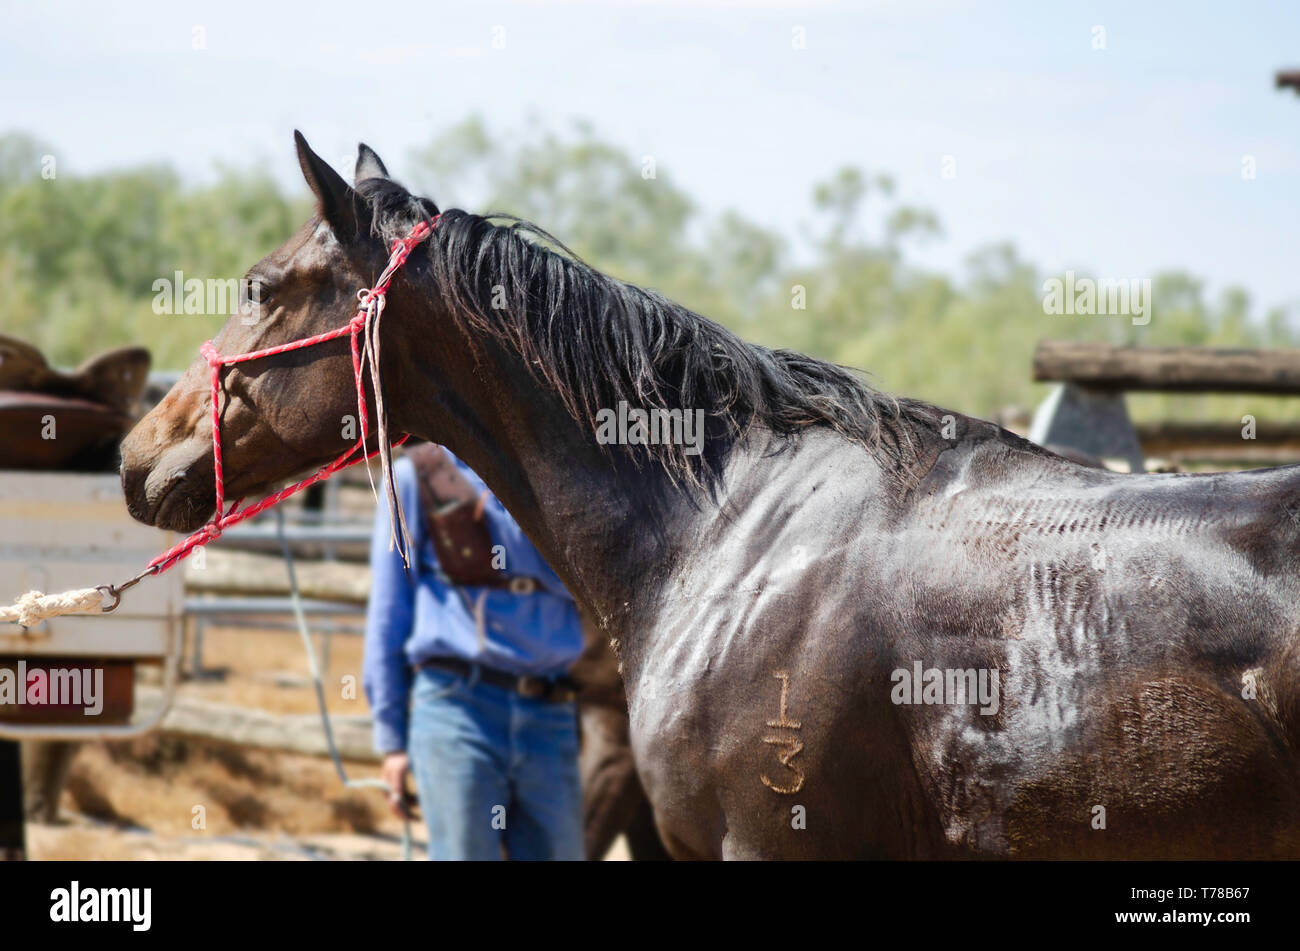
(1170, 369)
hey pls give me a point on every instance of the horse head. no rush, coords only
(280, 414)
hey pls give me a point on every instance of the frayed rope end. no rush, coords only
(33, 607)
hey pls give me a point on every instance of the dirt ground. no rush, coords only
(164, 797)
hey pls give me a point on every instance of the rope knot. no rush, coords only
(369, 299)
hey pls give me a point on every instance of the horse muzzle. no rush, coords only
(171, 488)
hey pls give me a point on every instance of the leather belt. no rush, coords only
(515, 584)
(547, 689)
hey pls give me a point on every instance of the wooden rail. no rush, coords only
(243, 726)
(1275, 444)
(1170, 369)
(246, 574)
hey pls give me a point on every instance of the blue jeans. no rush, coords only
(494, 769)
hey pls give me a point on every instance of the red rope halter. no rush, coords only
(372, 304)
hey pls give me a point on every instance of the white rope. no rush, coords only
(33, 607)
(399, 536)
(373, 307)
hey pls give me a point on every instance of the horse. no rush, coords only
(850, 625)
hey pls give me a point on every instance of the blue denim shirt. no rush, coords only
(411, 619)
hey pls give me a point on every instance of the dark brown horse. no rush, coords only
(849, 625)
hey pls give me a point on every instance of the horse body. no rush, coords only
(709, 653)
(1145, 628)
(771, 597)
(1124, 614)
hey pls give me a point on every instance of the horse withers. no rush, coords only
(849, 625)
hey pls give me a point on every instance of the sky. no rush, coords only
(1109, 138)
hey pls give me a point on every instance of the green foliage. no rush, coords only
(79, 255)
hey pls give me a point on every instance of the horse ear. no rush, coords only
(369, 165)
(339, 204)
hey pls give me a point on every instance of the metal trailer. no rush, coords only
(60, 531)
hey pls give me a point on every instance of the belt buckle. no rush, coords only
(532, 687)
(521, 584)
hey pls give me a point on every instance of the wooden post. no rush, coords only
(13, 842)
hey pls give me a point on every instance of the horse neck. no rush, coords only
(600, 522)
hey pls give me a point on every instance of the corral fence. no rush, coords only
(1087, 412)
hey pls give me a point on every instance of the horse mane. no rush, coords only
(595, 341)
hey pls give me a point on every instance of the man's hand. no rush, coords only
(394, 770)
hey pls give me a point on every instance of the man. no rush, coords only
(464, 669)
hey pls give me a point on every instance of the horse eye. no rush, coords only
(253, 291)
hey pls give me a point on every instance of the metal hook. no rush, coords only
(111, 591)
(114, 591)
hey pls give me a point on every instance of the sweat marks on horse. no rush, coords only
(825, 532)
